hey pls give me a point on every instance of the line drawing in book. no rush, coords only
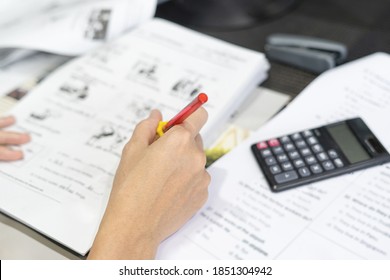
(146, 70)
(109, 138)
(98, 24)
(44, 114)
(186, 87)
(75, 90)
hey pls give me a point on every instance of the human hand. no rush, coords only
(159, 185)
(10, 138)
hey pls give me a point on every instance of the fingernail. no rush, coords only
(154, 113)
(27, 138)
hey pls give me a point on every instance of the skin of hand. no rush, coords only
(10, 138)
(159, 185)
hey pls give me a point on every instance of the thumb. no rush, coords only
(145, 131)
(143, 135)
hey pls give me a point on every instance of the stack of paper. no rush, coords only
(68, 27)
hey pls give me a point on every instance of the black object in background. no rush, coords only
(363, 26)
(320, 153)
(225, 14)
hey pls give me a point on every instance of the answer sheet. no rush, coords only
(82, 115)
(68, 27)
(347, 217)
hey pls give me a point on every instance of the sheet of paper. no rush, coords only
(11, 56)
(68, 27)
(341, 218)
(17, 78)
(81, 116)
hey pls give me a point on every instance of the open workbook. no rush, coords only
(345, 217)
(82, 115)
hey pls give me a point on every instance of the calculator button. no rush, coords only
(287, 166)
(327, 165)
(322, 156)
(273, 143)
(266, 153)
(310, 160)
(270, 160)
(304, 171)
(296, 136)
(316, 168)
(299, 163)
(286, 177)
(333, 154)
(282, 158)
(294, 154)
(277, 150)
(317, 148)
(312, 140)
(338, 162)
(289, 147)
(275, 169)
(305, 152)
(262, 145)
(300, 144)
(285, 139)
(307, 133)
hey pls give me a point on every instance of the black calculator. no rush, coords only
(315, 154)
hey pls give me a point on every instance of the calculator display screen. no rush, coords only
(348, 143)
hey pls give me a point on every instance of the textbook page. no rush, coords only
(81, 116)
(68, 27)
(346, 217)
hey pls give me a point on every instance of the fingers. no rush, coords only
(13, 138)
(145, 132)
(9, 137)
(196, 121)
(6, 121)
(7, 154)
(199, 142)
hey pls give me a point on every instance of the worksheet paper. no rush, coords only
(68, 27)
(82, 115)
(347, 217)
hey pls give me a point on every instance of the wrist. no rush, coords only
(123, 241)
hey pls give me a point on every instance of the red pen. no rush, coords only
(183, 114)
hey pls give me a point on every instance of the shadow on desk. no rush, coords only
(18, 242)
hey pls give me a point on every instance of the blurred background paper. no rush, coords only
(38, 36)
(68, 27)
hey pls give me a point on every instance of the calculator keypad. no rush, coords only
(299, 155)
